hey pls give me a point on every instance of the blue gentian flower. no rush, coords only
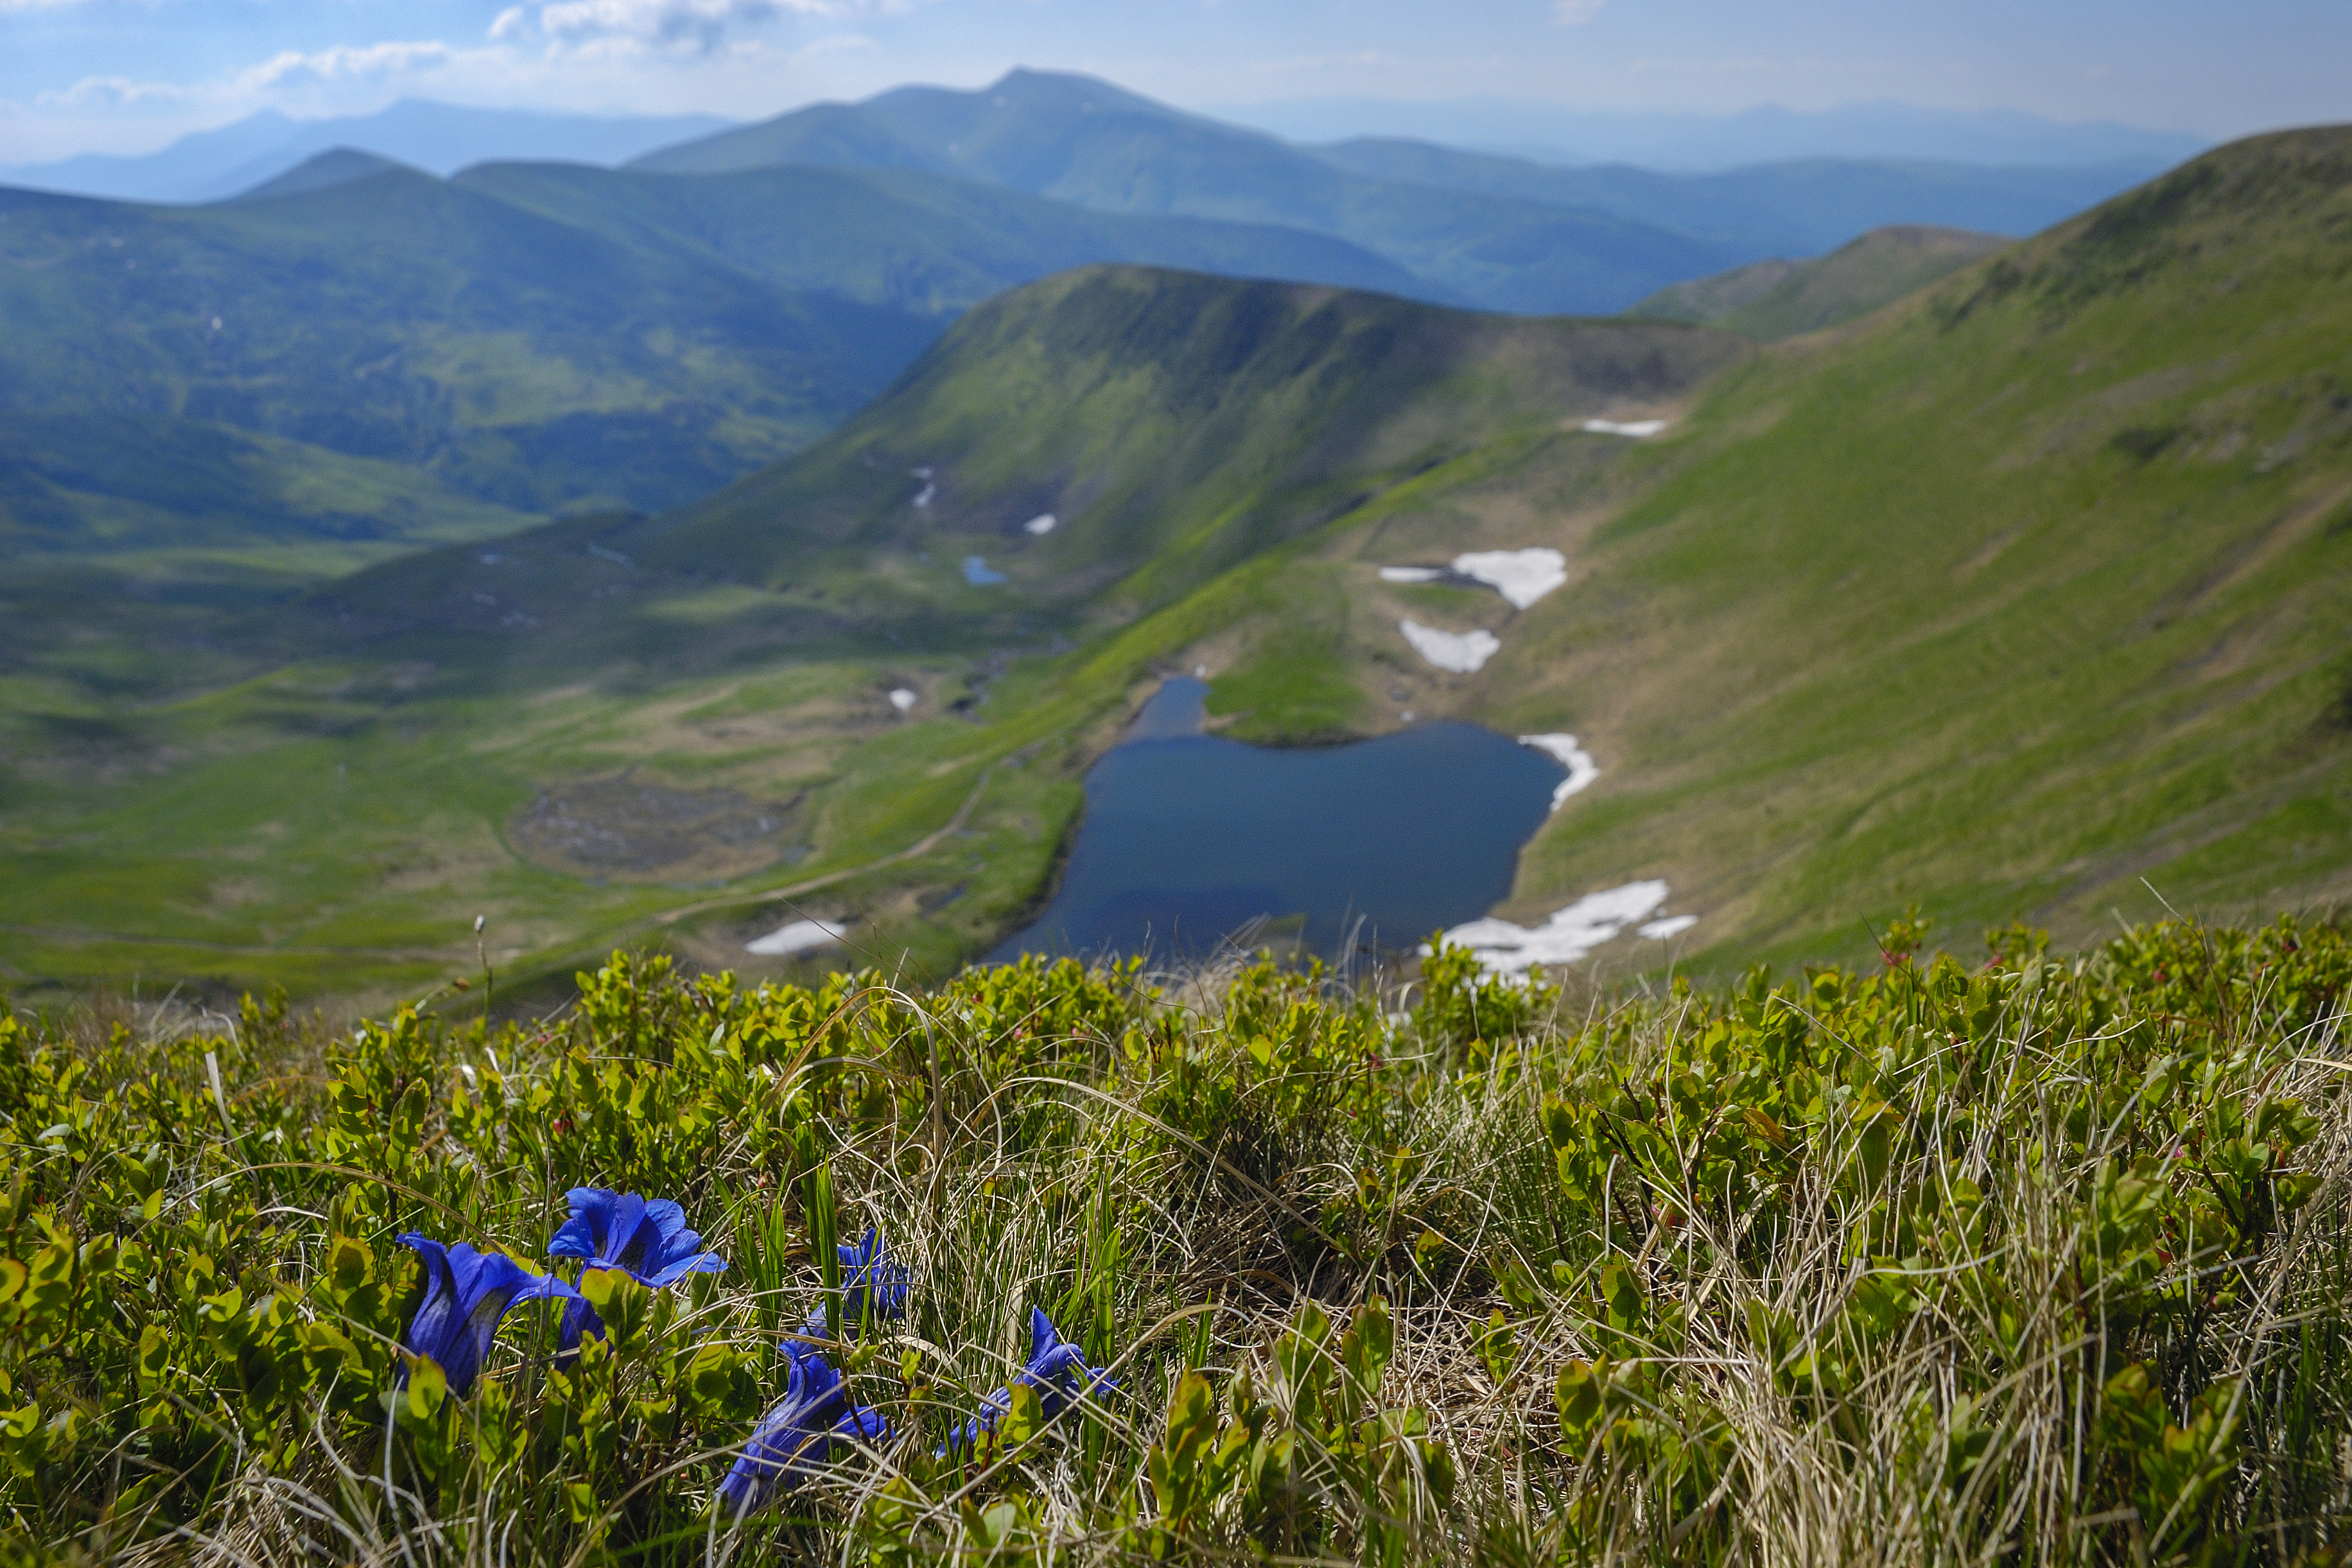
(467, 1293)
(798, 1432)
(867, 1266)
(647, 1237)
(1057, 1370)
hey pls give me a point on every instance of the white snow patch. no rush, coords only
(1460, 652)
(1522, 576)
(1503, 948)
(931, 488)
(1040, 525)
(798, 937)
(1673, 925)
(1562, 749)
(1640, 429)
(902, 699)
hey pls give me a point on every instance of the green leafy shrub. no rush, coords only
(2035, 1261)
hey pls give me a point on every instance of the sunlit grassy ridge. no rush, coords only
(2009, 596)
(2035, 1261)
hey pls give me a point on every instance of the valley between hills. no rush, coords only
(2018, 594)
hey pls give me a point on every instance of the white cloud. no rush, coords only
(697, 24)
(510, 22)
(110, 89)
(287, 70)
(1575, 13)
(346, 62)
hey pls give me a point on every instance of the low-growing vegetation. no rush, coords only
(2030, 1260)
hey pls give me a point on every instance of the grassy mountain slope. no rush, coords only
(527, 337)
(2001, 601)
(1780, 300)
(1711, 299)
(401, 361)
(1801, 206)
(1081, 140)
(1174, 425)
(585, 726)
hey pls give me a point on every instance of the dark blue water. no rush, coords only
(1187, 837)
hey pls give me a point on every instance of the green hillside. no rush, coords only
(527, 337)
(499, 357)
(400, 361)
(1174, 425)
(1779, 300)
(2021, 597)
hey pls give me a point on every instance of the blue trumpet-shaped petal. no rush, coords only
(466, 1294)
(867, 1267)
(1057, 1370)
(647, 1238)
(798, 1432)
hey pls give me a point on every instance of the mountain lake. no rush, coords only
(1188, 837)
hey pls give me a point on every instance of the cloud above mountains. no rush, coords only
(698, 24)
(340, 63)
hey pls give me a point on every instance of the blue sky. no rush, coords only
(128, 75)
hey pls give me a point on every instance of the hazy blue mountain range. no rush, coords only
(1703, 143)
(1503, 233)
(1802, 207)
(1080, 141)
(439, 138)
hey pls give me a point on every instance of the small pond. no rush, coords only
(1188, 836)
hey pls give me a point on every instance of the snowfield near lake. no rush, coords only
(1503, 948)
(800, 936)
(1040, 525)
(1461, 652)
(1640, 429)
(1673, 925)
(1562, 749)
(1522, 576)
(902, 699)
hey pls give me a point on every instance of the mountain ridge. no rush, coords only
(1781, 298)
(1495, 232)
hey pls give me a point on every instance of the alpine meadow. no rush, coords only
(541, 708)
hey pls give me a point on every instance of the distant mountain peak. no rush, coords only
(323, 171)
